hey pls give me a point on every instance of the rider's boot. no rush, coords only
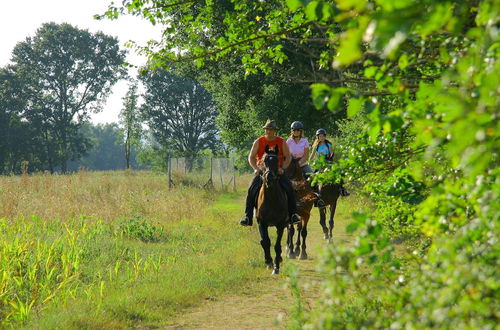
(318, 202)
(246, 221)
(344, 192)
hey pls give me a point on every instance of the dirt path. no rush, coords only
(265, 301)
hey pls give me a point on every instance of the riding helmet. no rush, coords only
(297, 125)
(321, 131)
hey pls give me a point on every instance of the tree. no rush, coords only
(18, 142)
(130, 121)
(180, 113)
(67, 74)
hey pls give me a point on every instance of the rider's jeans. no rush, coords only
(253, 192)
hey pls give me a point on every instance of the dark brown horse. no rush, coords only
(272, 209)
(330, 193)
(305, 199)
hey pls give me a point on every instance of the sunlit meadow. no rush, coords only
(114, 249)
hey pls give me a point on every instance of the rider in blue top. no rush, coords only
(323, 147)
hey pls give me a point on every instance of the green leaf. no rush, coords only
(374, 131)
(357, 5)
(333, 101)
(349, 50)
(371, 71)
(312, 11)
(351, 228)
(294, 4)
(320, 94)
(364, 247)
(403, 61)
(355, 105)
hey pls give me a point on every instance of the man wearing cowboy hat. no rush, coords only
(269, 140)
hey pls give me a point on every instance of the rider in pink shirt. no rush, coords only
(299, 149)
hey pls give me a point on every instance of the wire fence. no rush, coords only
(211, 173)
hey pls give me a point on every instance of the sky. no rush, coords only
(20, 19)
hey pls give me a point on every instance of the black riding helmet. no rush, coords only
(321, 131)
(297, 125)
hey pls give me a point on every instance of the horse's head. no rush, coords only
(271, 161)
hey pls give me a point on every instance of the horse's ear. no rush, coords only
(267, 149)
(277, 149)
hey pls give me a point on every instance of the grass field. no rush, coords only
(115, 249)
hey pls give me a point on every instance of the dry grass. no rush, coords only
(104, 195)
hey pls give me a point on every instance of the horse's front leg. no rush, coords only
(289, 242)
(322, 221)
(297, 244)
(265, 242)
(277, 249)
(331, 223)
(303, 233)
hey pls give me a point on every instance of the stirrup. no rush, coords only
(294, 219)
(344, 192)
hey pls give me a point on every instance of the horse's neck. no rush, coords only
(298, 175)
(270, 192)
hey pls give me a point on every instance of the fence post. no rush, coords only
(211, 168)
(220, 173)
(169, 173)
(234, 174)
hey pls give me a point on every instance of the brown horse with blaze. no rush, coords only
(272, 208)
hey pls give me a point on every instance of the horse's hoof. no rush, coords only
(269, 265)
(330, 240)
(303, 256)
(326, 236)
(276, 271)
(291, 255)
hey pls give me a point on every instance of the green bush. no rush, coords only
(453, 286)
(141, 229)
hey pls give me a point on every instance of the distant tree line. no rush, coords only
(107, 151)
(62, 75)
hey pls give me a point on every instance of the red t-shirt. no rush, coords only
(263, 142)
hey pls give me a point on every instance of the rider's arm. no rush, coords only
(330, 151)
(313, 153)
(286, 155)
(252, 156)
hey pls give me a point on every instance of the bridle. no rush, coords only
(270, 175)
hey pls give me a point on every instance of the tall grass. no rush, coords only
(103, 195)
(117, 249)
